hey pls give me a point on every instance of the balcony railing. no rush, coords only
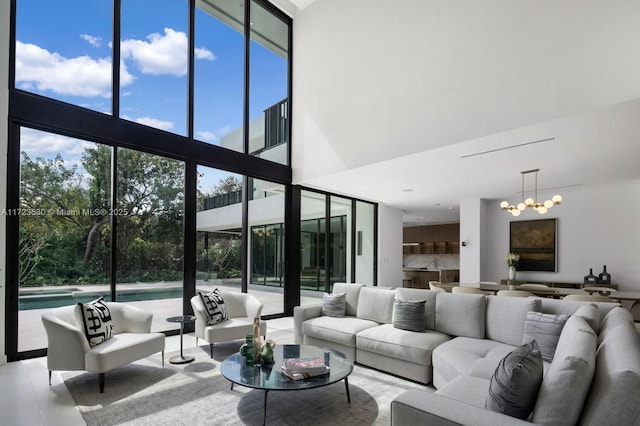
(222, 200)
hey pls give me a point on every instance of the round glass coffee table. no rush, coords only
(269, 378)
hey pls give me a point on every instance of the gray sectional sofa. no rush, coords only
(593, 378)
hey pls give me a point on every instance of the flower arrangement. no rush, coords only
(512, 259)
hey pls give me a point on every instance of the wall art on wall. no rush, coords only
(536, 243)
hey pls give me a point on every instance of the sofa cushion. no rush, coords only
(339, 330)
(613, 319)
(591, 314)
(334, 305)
(449, 319)
(376, 304)
(353, 294)
(122, 349)
(411, 346)
(574, 363)
(214, 306)
(614, 391)
(545, 329)
(514, 386)
(506, 317)
(409, 315)
(413, 294)
(468, 389)
(465, 356)
(95, 318)
(568, 307)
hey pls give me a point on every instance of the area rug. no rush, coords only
(144, 393)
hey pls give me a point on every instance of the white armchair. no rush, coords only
(68, 348)
(242, 309)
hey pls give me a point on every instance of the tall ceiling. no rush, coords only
(419, 104)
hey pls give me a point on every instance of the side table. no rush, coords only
(183, 319)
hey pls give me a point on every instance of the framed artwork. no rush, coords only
(536, 243)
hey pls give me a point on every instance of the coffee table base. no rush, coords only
(179, 359)
(266, 392)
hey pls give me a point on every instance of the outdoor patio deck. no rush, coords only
(31, 333)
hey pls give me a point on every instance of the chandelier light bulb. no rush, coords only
(531, 203)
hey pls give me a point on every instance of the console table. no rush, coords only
(555, 284)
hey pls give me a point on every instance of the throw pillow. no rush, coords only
(214, 306)
(409, 315)
(513, 389)
(96, 321)
(334, 305)
(545, 329)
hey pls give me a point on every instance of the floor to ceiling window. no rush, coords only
(268, 102)
(219, 80)
(218, 230)
(154, 52)
(66, 56)
(149, 250)
(337, 241)
(266, 252)
(64, 230)
(136, 89)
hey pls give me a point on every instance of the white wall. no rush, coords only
(389, 246)
(596, 226)
(471, 234)
(4, 112)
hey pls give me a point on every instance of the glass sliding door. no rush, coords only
(219, 230)
(312, 240)
(65, 231)
(266, 253)
(339, 240)
(149, 234)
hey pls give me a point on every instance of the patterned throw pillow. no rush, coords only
(214, 305)
(96, 321)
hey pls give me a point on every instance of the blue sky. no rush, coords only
(67, 56)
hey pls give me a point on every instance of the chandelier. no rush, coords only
(532, 203)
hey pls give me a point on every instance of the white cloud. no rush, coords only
(162, 54)
(209, 136)
(206, 136)
(41, 144)
(37, 69)
(94, 41)
(154, 122)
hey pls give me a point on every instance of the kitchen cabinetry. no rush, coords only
(431, 239)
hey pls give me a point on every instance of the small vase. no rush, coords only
(512, 273)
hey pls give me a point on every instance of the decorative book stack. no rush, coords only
(304, 368)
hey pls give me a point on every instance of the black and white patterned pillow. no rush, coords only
(96, 321)
(214, 306)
